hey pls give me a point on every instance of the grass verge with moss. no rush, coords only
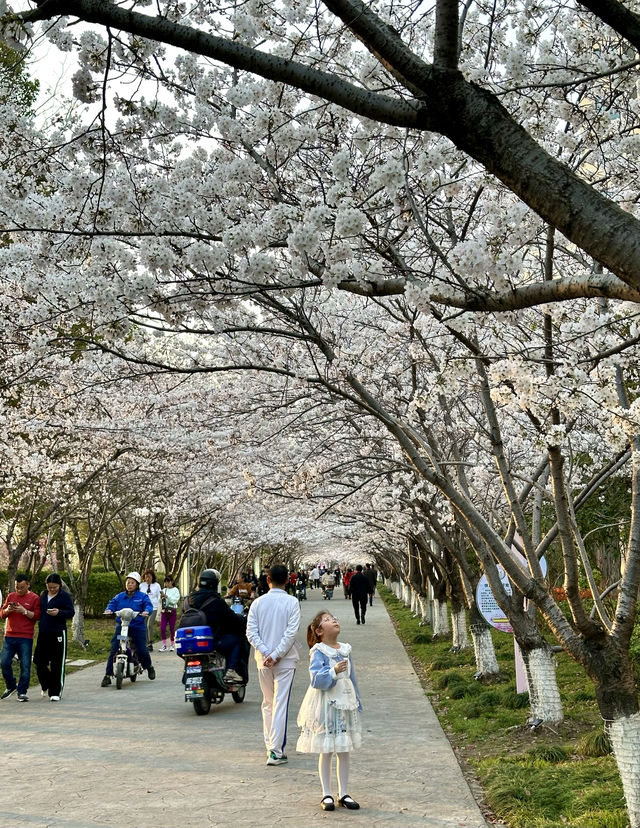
(551, 777)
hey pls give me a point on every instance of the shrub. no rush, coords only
(450, 678)
(489, 699)
(442, 663)
(594, 744)
(549, 753)
(102, 587)
(473, 710)
(457, 691)
(515, 701)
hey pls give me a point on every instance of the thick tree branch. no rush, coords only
(445, 54)
(323, 84)
(471, 117)
(618, 16)
(527, 296)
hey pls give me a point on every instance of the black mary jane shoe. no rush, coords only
(347, 802)
(327, 803)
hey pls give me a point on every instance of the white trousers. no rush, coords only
(275, 683)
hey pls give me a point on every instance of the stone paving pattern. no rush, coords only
(141, 757)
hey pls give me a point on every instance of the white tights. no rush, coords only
(342, 768)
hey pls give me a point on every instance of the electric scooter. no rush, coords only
(125, 662)
(204, 670)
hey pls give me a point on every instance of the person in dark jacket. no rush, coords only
(56, 607)
(228, 628)
(359, 589)
(371, 574)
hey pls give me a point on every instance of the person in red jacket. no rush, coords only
(21, 610)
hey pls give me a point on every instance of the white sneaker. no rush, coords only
(172, 648)
(274, 759)
(231, 677)
(163, 649)
(43, 693)
(54, 698)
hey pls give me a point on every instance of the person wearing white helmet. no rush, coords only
(133, 599)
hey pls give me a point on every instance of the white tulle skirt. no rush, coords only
(328, 724)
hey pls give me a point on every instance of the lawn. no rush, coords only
(544, 778)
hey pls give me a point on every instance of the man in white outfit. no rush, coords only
(272, 625)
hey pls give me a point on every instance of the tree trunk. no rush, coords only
(544, 695)
(77, 625)
(460, 635)
(624, 733)
(425, 615)
(486, 661)
(441, 627)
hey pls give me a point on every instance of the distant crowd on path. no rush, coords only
(329, 717)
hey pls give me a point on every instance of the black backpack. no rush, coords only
(194, 617)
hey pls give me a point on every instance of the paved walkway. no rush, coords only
(140, 757)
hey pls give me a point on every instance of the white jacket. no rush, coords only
(272, 625)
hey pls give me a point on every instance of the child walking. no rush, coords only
(329, 716)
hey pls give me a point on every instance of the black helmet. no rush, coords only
(209, 579)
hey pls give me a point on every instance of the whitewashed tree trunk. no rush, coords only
(397, 589)
(486, 661)
(624, 734)
(460, 635)
(440, 619)
(544, 695)
(425, 616)
(406, 595)
(415, 609)
(77, 625)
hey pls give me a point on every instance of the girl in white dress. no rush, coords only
(329, 716)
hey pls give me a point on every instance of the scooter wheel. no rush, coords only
(119, 675)
(202, 706)
(238, 695)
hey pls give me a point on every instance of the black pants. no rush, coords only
(359, 606)
(49, 658)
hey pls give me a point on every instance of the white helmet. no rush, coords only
(136, 577)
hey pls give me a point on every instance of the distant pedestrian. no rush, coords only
(272, 625)
(314, 578)
(151, 588)
(371, 574)
(21, 610)
(359, 589)
(329, 716)
(56, 607)
(346, 577)
(263, 584)
(169, 600)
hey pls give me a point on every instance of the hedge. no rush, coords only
(102, 587)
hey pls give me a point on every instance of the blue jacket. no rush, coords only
(63, 603)
(139, 601)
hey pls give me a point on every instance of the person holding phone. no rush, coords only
(21, 610)
(50, 655)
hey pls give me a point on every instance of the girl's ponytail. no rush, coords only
(312, 634)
